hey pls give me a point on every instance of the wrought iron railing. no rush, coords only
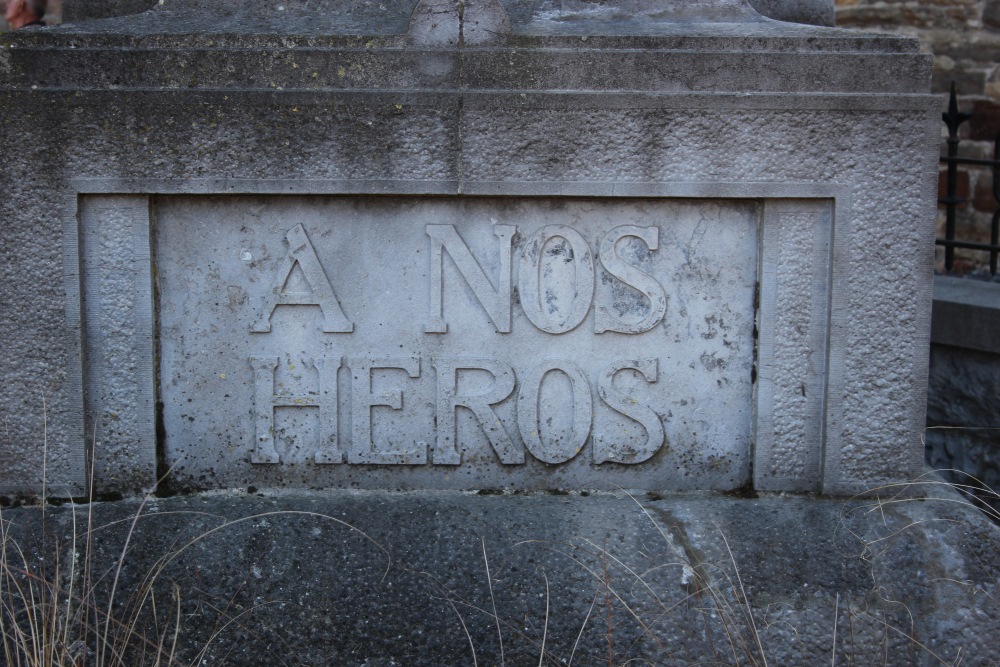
(953, 118)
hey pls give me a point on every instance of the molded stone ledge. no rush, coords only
(966, 314)
(476, 17)
(518, 68)
(816, 12)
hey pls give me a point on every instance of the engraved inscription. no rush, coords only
(556, 284)
(422, 342)
(496, 302)
(362, 402)
(302, 254)
(628, 406)
(265, 401)
(480, 404)
(555, 281)
(604, 320)
(564, 444)
(554, 445)
(556, 267)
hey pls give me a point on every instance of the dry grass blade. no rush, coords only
(745, 602)
(545, 628)
(200, 658)
(102, 646)
(44, 623)
(455, 602)
(580, 634)
(606, 580)
(909, 637)
(177, 625)
(836, 617)
(465, 629)
(489, 581)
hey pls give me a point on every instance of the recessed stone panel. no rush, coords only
(394, 342)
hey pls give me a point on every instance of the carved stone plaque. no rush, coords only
(456, 343)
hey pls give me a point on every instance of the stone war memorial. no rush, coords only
(477, 332)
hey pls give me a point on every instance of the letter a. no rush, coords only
(301, 252)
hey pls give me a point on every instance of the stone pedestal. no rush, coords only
(443, 245)
(451, 271)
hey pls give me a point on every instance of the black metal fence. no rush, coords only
(953, 118)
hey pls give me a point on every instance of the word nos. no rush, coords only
(497, 304)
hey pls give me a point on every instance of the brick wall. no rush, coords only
(964, 36)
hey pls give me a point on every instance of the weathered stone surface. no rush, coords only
(430, 579)
(963, 438)
(129, 114)
(814, 12)
(517, 344)
(89, 10)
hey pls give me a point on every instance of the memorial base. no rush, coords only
(449, 578)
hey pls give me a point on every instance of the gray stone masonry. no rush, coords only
(815, 12)
(447, 578)
(88, 10)
(964, 37)
(440, 245)
(963, 438)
